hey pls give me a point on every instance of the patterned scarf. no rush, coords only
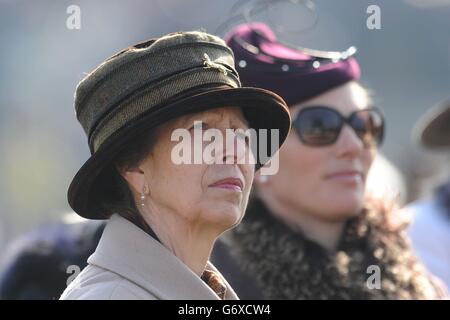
(215, 282)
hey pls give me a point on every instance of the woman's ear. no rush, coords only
(134, 176)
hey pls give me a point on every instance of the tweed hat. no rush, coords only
(433, 128)
(150, 83)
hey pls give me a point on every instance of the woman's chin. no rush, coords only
(346, 199)
(225, 216)
(341, 206)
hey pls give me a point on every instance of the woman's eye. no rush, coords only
(199, 125)
(243, 136)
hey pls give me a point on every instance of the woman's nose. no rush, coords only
(348, 143)
(234, 148)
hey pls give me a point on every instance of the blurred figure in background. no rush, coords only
(430, 230)
(385, 181)
(309, 232)
(39, 265)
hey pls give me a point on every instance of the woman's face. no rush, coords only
(316, 180)
(214, 193)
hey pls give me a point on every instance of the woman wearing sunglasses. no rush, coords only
(309, 232)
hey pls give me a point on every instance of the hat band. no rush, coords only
(154, 96)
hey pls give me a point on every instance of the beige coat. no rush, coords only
(130, 264)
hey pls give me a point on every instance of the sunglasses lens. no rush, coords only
(369, 126)
(318, 126)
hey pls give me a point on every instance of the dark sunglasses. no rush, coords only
(321, 126)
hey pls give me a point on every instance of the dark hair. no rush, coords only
(116, 196)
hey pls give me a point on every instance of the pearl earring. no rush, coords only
(263, 179)
(143, 197)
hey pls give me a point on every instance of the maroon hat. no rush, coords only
(295, 74)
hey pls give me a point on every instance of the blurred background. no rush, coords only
(406, 64)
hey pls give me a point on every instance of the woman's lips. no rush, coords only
(346, 176)
(229, 183)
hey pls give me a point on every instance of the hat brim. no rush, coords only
(262, 108)
(433, 129)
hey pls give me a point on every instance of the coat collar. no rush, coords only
(131, 253)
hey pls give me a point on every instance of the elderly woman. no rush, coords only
(164, 216)
(310, 233)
